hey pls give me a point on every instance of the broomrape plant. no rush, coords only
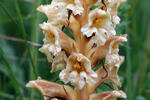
(94, 39)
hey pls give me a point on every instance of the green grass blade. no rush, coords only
(11, 74)
(5, 95)
(25, 37)
(128, 63)
(129, 76)
(143, 70)
(34, 37)
(35, 29)
(7, 13)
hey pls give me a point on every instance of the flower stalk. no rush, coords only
(94, 39)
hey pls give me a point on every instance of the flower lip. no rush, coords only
(76, 7)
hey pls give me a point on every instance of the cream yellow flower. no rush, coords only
(112, 57)
(112, 8)
(78, 71)
(57, 11)
(113, 61)
(59, 61)
(76, 7)
(51, 41)
(99, 24)
(101, 37)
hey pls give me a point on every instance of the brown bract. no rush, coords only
(108, 95)
(53, 90)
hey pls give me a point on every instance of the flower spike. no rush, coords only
(94, 39)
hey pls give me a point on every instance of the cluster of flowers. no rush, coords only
(94, 39)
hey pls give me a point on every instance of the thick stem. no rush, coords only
(83, 19)
(101, 73)
(82, 94)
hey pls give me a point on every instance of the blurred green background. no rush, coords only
(21, 62)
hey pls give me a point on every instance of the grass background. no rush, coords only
(21, 62)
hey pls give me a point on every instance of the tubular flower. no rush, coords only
(59, 61)
(99, 24)
(57, 11)
(112, 57)
(76, 7)
(93, 38)
(112, 7)
(78, 71)
(51, 41)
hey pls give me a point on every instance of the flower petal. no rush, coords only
(73, 77)
(81, 84)
(59, 62)
(77, 8)
(63, 76)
